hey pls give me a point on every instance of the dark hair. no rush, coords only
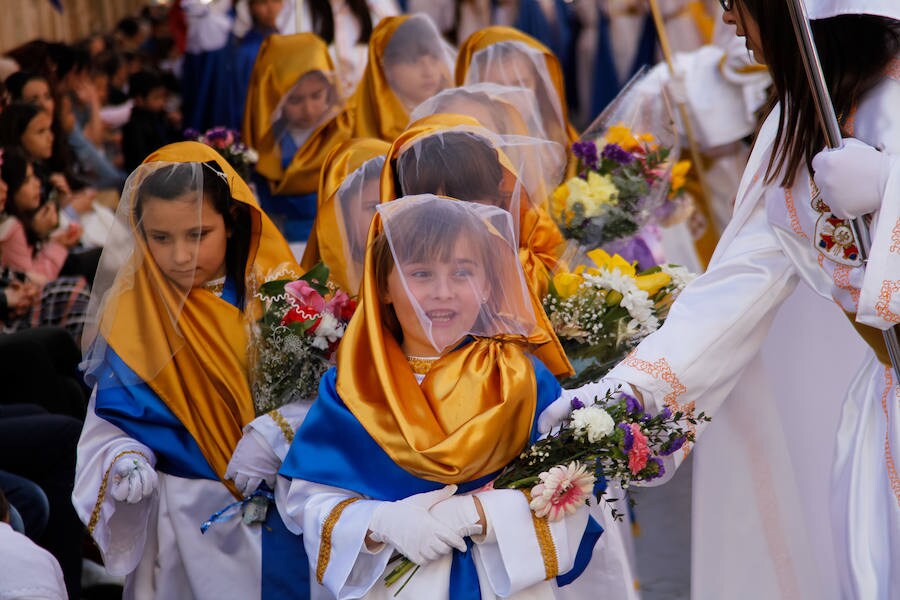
(128, 27)
(69, 59)
(173, 181)
(421, 240)
(110, 62)
(854, 51)
(413, 38)
(458, 164)
(446, 103)
(4, 507)
(16, 82)
(323, 19)
(13, 172)
(34, 56)
(143, 82)
(14, 121)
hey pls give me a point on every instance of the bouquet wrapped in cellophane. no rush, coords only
(628, 173)
(601, 310)
(293, 342)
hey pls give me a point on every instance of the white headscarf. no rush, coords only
(822, 9)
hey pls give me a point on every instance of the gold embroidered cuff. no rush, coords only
(101, 493)
(545, 541)
(327, 530)
(283, 425)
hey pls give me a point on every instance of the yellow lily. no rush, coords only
(559, 202)
(652, 282)
(623, 137)
(610, 263)
(679, 176)
(567, 284)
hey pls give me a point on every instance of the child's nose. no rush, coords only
(184, 252)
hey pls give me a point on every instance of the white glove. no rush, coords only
(560, 409)
(412, 530)
(133, 479)
(459, 513)
(852, 179)
(253, 462)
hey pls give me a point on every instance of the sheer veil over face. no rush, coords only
(357, 199)
(417, 62)
(502, 109)
(454, 272)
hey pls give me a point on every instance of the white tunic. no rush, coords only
(719, 323)
(157, 543)
(27, 571)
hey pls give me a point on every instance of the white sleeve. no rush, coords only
(335, 523)
(715, 327)
(278, 427)
(518, 551)
(118, 528)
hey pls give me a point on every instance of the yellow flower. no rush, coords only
(558, 203)
(566, 284)
(653, 282)
(679, 176)
(593, 194)
(623, 137)
(610, 263)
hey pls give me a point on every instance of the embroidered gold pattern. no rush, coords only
(101, 493)
(888, 455)
(545, 541)
(895, 238)
(883, 306)
(327, 530)
(661, 370)
(283, 425)
(420, 365)
(792, 213)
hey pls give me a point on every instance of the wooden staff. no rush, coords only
(707, 240)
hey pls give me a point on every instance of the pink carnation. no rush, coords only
(562, 490)
(341, 306)
(640, 452)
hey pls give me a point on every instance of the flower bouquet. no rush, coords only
(610, 439)
(600, 313)
(227, 142)
(294, 341)
(627, 170)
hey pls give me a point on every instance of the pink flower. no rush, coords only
(562, 490)
(300, 292)
(640, 452)
(341, 306)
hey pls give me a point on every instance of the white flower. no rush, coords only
(593, 422)
(680, 275)
(251, 155)
(329, 331)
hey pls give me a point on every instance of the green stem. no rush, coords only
(416, 570)
(399, 571)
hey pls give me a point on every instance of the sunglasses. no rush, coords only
(727, 4)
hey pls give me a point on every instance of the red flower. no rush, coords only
(341, 306)
(640, 452)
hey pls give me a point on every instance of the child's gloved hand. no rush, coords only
(133, 479)
(412, 530)
(852, 179)
(252, 463)
(459, 513)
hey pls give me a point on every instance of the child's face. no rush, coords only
(514, 70)
(265, 12)
(187, 244)
(155, 100)
(37, 140)
(362, 219)
(37, 91)
(449, 293)
(307, 102)
(28, 196)
(417, 79)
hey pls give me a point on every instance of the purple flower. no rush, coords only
(665, 413)
(659, 464)
(587, 153)
(576, 404)
(629, 436)
(191, 134)
(616, 153)
(673, 446)
(632, 405)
